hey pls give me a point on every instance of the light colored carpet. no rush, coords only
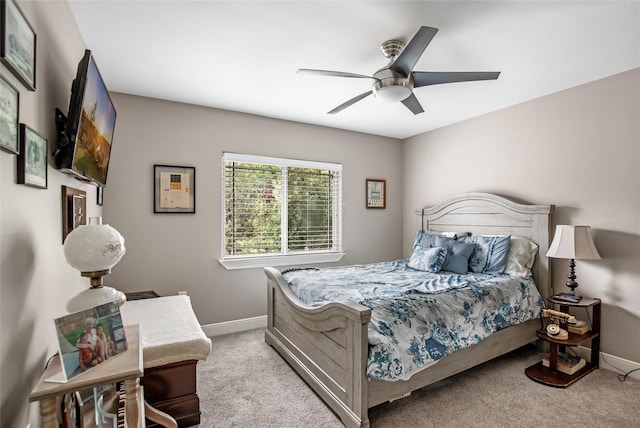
(245, 383)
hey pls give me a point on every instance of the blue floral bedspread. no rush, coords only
(419, 317)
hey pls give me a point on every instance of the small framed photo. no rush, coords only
(376, 193)
(74, 209)
(9, 108)
(32, 159)
(89, 338)
(18, 44)
(174, 189)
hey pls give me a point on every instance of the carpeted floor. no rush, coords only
(245, 383)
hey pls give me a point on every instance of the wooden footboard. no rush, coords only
(327, 347)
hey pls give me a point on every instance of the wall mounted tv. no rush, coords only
(85, 135)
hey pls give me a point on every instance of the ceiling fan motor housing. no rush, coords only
(391, 86)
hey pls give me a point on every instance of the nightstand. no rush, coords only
(551, 375)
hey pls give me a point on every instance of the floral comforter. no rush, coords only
(419, 317)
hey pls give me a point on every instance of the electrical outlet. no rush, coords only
(182, 293)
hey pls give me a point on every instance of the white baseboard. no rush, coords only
(611, 362)
(235, 326)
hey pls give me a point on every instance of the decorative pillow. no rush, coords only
(458, 254)
(427, 259)
(428, 239)
(490, 255)
(425, 239)
(522, 254)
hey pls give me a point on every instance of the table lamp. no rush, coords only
(94, 249)
(574, 243)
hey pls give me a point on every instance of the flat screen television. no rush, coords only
(85, 135)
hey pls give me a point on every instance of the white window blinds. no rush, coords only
(280, 206)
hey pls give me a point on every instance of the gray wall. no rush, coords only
(578, 149)
(173, 252)
(35, 280)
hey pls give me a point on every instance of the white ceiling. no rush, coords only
(243, 55)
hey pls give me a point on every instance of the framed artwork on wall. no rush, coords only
(99, 195)
(32, 159)
(376, 193)
(18, 44)
(9, 108)
(74, 209)
(174, 189)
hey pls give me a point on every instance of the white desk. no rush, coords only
(125, 367)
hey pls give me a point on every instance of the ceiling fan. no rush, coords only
(395, 81)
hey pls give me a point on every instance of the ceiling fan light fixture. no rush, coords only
(392, 94)
(396, 81)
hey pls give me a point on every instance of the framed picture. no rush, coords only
(99, 195)
(376, 193)
(18, 44)
(32, 159)
(9, 108)
(89, 338)
(74, 209)
(174, 189)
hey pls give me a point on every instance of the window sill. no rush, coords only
(264, 261)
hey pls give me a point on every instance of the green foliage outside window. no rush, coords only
(254, 216)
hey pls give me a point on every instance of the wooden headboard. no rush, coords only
(495, 215)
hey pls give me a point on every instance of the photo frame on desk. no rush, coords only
(89, 338)
(174, 189)
(376, 193)
(18, 44)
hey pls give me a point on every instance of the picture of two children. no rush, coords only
(90, 337)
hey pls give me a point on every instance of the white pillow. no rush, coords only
(522, 254)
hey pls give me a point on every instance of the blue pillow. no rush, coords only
(458, 254)
(428, 239)
(490, 255)
(499, 251)
(427, 259)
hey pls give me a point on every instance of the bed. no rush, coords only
(328, 345)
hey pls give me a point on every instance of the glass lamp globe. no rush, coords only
(94, 249)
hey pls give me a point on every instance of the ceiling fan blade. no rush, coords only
(412, 103)
(350, 102)
(410, 55)
(426, 78)
(333, 73)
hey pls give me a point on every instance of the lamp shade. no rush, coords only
(94, 247)
(573, 242)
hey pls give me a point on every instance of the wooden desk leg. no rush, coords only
(131, 407)
(48, 413)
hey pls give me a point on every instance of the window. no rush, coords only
(280, 211)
